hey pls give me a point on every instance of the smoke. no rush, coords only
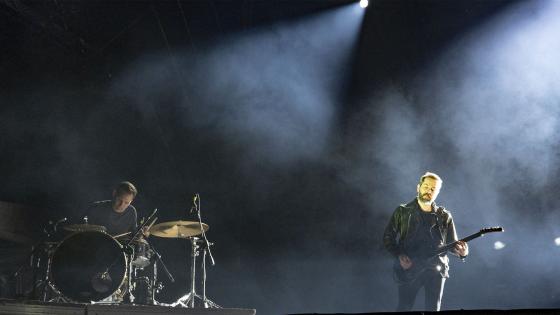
(250, 119)
(484, 115)
(271, 93)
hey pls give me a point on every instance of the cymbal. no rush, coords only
(178, 229)
(85, 228)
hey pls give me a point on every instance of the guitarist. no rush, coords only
(414, 233)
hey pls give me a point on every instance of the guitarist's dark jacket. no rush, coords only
(403, 227)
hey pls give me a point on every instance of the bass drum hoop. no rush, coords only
(82, 256)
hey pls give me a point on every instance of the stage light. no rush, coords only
(557, 241)
(364, 3)
(499, 245)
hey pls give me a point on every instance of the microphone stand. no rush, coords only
(158, 256)
(188, 300)
(205, 300)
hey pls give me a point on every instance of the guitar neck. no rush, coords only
(450, 246)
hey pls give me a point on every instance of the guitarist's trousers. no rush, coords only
(433, 283)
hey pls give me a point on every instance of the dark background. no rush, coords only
(302, 125)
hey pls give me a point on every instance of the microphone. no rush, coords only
(195, 199)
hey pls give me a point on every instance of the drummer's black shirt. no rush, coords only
(102, 213)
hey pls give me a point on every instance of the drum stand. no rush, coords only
(49, 287)
(188, 300)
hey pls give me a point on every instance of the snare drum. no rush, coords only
(141, 252)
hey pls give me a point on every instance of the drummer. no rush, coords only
(117, 215)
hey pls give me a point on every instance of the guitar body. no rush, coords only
(402, 276)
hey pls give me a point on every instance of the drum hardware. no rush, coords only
(158, 258)
(143, 251)
(189, 299)
(48, 285)
(51, 227)
(85, 228)
(101, 279)
(187, 229)
(48, 293)
(207, 303)
(80, 268)
(77, 266)
(143, 285)
(40, 263)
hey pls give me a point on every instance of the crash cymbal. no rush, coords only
(178, 229)
(85, 228)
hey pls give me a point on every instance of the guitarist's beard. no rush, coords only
(426, 198)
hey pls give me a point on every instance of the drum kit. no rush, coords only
(91, 266)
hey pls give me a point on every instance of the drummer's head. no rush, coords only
(123, 195)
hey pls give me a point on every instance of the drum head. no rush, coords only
(79, 266)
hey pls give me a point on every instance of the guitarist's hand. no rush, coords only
(405, 262)
(461, 248)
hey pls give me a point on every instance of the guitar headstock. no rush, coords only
(492, 229)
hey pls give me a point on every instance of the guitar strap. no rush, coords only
(439, 223)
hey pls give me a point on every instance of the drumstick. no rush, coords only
(120, 235)
(150, 226)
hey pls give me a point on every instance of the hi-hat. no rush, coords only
(178, 229)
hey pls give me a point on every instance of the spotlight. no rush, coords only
(499, 245)
(364, 3)
(557, 241)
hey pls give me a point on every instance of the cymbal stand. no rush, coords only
(191, 296)
(48, 286)
(188, 299)
(35, 260)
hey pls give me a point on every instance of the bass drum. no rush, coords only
(88, 266)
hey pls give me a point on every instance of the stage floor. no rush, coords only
(16, 307)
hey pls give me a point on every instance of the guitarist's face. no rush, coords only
(428, 190)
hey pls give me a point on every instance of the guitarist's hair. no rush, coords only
(430, 175)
